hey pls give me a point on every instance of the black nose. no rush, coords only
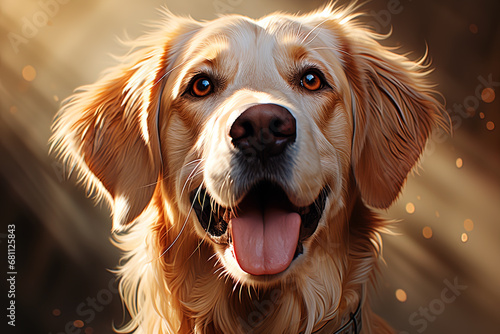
(263, 131)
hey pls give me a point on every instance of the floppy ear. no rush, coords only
(106, 131)
(109, 130)
(394, 112)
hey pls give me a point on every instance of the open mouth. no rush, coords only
(265, 229)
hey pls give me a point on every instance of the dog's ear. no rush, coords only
(105, 131)
(394, 111)
(109, 130)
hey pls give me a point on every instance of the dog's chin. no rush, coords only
(263, 238)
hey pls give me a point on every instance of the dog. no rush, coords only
(242, 160)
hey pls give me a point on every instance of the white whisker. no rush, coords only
(333, 49)
(193, 173)
(312, 30)
(182, 228)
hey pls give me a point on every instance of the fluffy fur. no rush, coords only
(359, 138)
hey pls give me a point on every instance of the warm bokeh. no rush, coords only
(449, 229)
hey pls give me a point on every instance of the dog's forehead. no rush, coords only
(233, 38)
(238, 38)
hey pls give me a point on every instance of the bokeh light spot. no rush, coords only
(401, 295)
(78, 323)
(488, 95)
(410, 208)
(29, 73)
(459, 163)
(56, 312)
(427, 232)
(471, 111)
(464, 237)
(89, 330)
(473, 28)
(490, 126)
(468, 225)
(481, 115)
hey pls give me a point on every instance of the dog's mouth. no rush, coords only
(266, 231)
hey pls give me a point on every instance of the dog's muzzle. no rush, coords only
(265, 229)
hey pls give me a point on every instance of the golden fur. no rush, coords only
(360, 139)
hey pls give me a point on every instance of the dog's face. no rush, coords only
(263, 111)
(256, 138)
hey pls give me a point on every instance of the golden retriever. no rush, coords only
(240, 158)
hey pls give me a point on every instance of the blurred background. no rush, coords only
(442, 271)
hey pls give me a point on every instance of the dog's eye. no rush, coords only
(311, 81)
(202, 86)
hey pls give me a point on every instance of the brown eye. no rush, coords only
(311, 81)
(202, 86)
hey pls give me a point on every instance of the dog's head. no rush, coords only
(257, 136)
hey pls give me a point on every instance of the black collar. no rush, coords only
(353, 326)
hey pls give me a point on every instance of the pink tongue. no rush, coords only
(265, 245)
